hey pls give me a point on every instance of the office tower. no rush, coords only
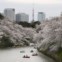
(10, 14)
(41, 16)
(22, 17)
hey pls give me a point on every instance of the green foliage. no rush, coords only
(6, 42)
(26, 24)
(33, 25)
(59, 53)
(1, 16)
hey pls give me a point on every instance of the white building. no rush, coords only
(41, 16)
(22, 17)
(10, 14)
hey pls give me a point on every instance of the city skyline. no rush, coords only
(10, 14)
(51, 9)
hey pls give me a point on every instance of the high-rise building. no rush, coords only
(10, 14)
(41, 16)
(22, 17)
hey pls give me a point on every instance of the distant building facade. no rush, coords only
(22, 17)
(10, 14)
(41, 16)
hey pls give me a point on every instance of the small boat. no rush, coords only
(31, 51)
(22, 51)
(26, 56)
(35, 54)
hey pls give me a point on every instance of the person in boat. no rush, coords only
(31, 51)
(26, 56)
(34, 54)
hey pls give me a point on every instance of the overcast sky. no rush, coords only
(35, 1)
(50, 7)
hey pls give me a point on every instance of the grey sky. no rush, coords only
(51, 9)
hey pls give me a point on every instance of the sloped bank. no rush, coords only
(49, 38)
(54, 56)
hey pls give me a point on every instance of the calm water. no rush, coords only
(14, 55)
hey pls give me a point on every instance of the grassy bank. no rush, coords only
(57, 57)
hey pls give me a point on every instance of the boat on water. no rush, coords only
(35, 54)
(22, 51)
(31, 51)
(26, 56)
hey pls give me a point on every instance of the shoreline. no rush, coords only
(50, 55)
(53, 56)
(16, 47)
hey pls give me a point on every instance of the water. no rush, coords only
(14, 55)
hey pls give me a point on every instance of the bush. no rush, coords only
(33, 25)
(1, 16)
(6, 42)
(26, 24)
(59, 54)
